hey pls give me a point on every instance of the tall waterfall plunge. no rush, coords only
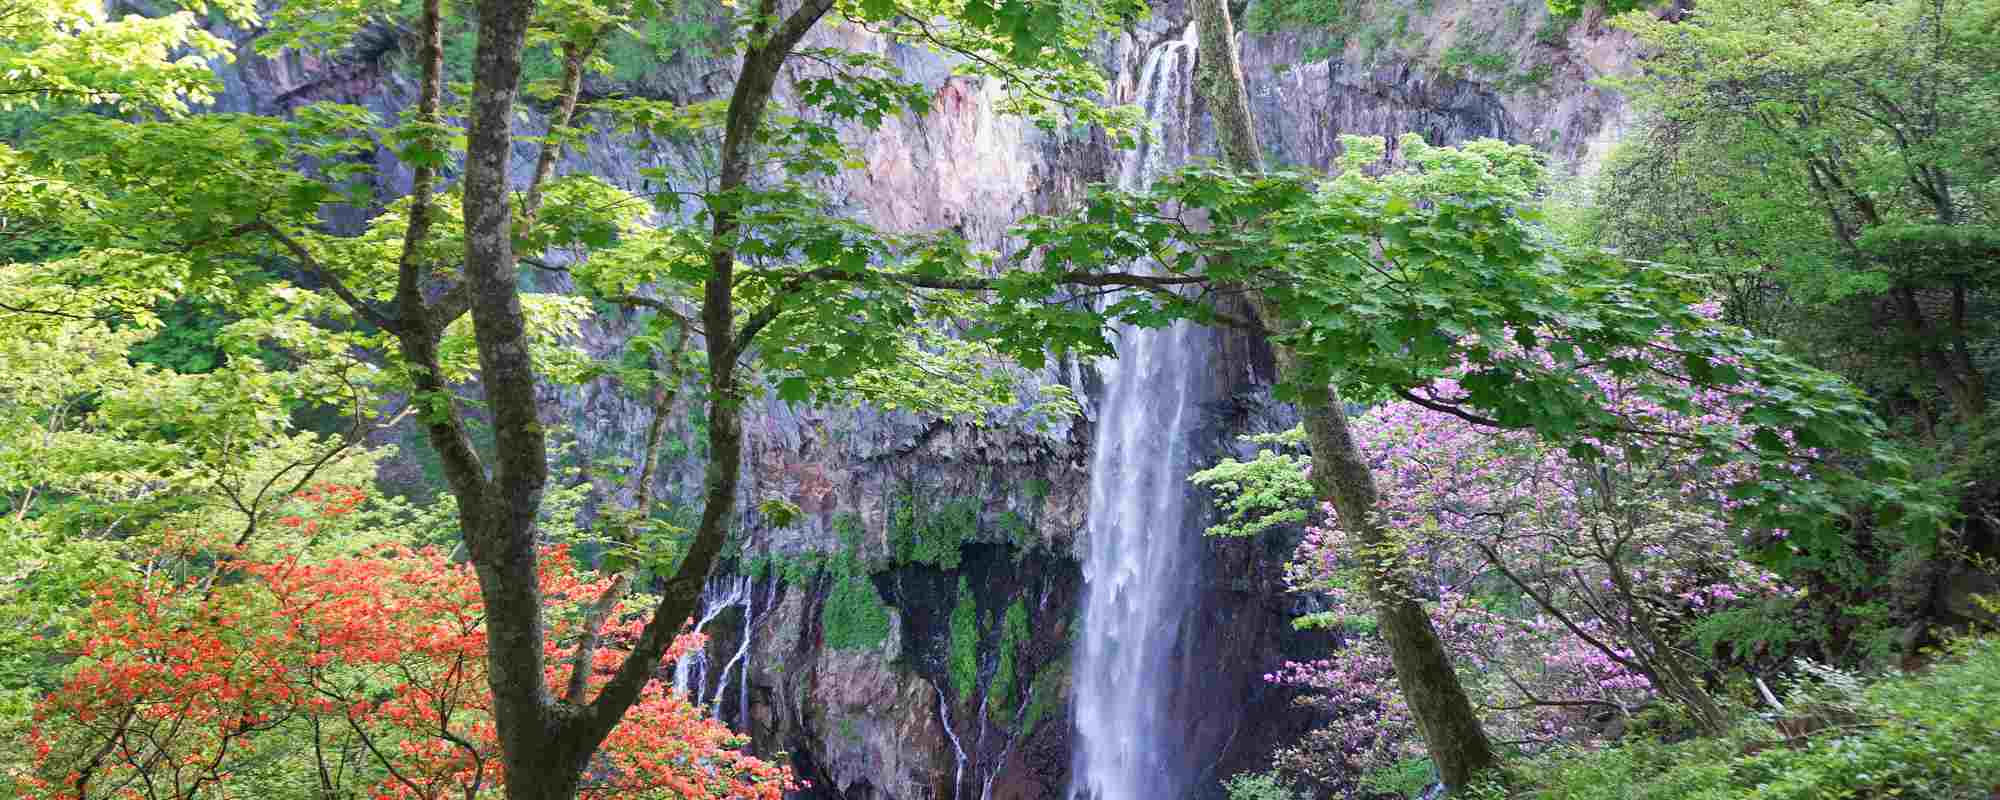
(1142, 568)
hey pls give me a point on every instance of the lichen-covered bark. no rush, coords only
(1340, 476)
(499, 523)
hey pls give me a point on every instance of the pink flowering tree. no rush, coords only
(1565, 576)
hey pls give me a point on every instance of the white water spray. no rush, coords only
(1141, 565)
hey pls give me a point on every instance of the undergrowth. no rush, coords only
(1930, 735)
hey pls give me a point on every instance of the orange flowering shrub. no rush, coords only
(365, 670)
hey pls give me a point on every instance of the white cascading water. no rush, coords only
(720, 594)
(1140, 570)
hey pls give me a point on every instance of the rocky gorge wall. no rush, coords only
(910, 636)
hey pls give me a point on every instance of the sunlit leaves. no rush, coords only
(71, 53)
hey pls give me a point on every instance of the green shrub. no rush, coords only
(1925, 736)
(964, 653)
(1280, 15)
(931, 536)
(1258, 786)
(1470, 57)
(854, 616)
(1571, 9)
(1406, 778)
(1044, 693)
(654, 41)
(847, 528)
(1013, 632)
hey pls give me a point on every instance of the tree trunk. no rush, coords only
(1444, 714)
(500, 526)
(1945, 356)
(1340, 476)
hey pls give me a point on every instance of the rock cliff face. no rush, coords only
(910, 637)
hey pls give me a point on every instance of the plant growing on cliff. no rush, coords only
(922, 532)
(962, 652)
(1013, 634)
(854, 617)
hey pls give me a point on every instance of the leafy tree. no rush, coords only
(1833, 159)
(69, 53)
(363, 670)
(1379, 285)
(431, 285)
(1612, 556)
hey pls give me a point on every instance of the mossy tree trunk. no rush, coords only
(1457, 742)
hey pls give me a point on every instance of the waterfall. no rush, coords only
(720, 594)
(1142, 564)
(742, 652)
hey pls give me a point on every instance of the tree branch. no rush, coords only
(305, 257)
(761, 65)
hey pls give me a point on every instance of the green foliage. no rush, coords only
(1258, 786)
(1019, 532)
(1928, 735)
(1045, 694)
(635, 53)
(937, 541)
(1536, 77)
(1280, 15)
(186, 341)
(1743, 631)
(45, 580)
(779, 512)
(1338, 20)
(848, 529)
(1407, 778)
(72, 54)
(854, 617)
(1569, 10)
(797, 569)
(1471, 57)
(1395, 278)
(962, 657)
(1780, 161)
(923, 533)
(1037, 489)
(1013, 633)
(1269, 491)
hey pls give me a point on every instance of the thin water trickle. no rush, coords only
(1141, 565)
